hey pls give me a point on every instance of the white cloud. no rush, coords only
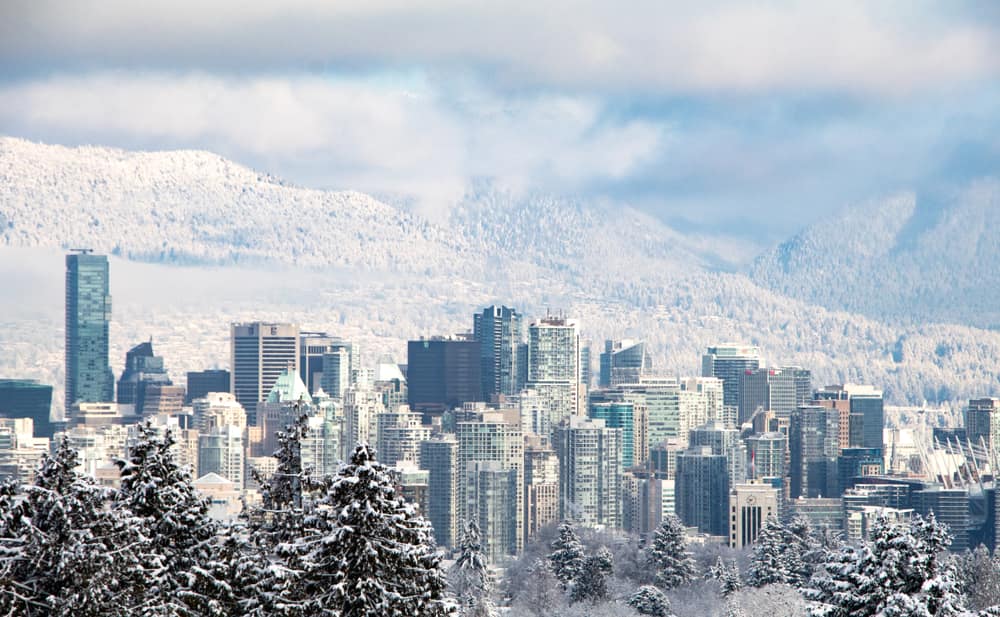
(656, 46)
(347, 133)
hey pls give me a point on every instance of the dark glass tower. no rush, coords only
(88, 314)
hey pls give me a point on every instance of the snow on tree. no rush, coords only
(899, 571)
(668, 554)
(371, 554)
(541, 594)
(592, 584)
(770, 562)
(728, 575)
(978, 575)
(62, 550)
(650, 600)
(180, 536)
(734, 609)
(470, 578)
(567, 557)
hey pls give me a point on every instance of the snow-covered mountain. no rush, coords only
(912, 256)
(227, 243)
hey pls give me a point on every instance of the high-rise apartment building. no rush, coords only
(620, 415)
(554, 365)
(260, 353)
(982, 422)
(814, 445)
(767, 453)
(221, 450)
(541, 484)
(702, 490)
(443, 373)
(724, 441)
(218, 409)
(780, 390)
(313, 350)
(589, 472)
(439, 456)
(623, 362)
(499, 332)
(88, 316)
(728, 363)
(398, 436)
(493, 437)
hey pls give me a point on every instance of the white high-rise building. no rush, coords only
(361, 406)
(589, 472)
(218, 409)
(399, 434)
(554, 365)
(497, 436)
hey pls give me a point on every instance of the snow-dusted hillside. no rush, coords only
(380, 276)
(910, 257)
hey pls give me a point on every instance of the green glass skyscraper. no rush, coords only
(88, 313)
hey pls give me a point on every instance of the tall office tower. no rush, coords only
(702, 490)
(856, 463)
(951, 506)
(780, 390)
(142, 368)
(398, 436)
(585, 369)
(749, 506)
(88, 315)
(260, 353)
(497, 437)
(623, 362)
(499, 332)
(443, 373)
(336, 377)
(724, 441)
(313, 348)
(439, 456)
(494, 499)
(221, 450)
(26, 398)
(766, 452)
(982, 422)
(710, 388)
(201, 383)
(620, 415)
(554, 365)
(813, 444)
(361, 406)
(866, 415)
(728, 362)
(589, 472)
(541, 484)
(218, 409)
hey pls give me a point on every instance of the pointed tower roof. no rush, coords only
(289, 388)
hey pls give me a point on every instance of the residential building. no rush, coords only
(498, 329)
(589, 472)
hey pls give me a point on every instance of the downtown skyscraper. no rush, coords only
(261, 352)
(88, 316)
(499, 332)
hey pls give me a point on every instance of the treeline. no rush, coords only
(340, 546)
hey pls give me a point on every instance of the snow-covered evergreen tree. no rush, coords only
(592, 584)
(650, 600)
(567, 555)
(668, 554)
(978, 575)
(542, 594)
(470, 577)
(180, 536)
(371, 554)
(62, 550)
(899, 571)
(728, 575)
(770, 561)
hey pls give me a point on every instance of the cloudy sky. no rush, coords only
(752, 116)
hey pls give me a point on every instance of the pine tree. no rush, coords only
(567, 555)
(373, 556)
(978, 575)
(62, 550)
(728, 576)
(541, 594)
(592, 584)
(668, 554)
(770, 562)
(179, 534)
(899, 571)
(649, 600)
(470, 578)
